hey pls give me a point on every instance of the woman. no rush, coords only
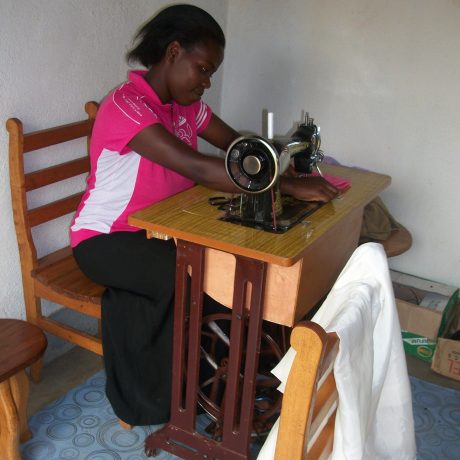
(143, 149)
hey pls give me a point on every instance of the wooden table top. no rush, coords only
(21, 344)
(188, 216)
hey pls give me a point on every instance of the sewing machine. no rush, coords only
(255, 164)
(277, 277)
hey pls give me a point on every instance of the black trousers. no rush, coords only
(137, 320)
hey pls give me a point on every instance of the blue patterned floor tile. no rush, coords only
(82, 426)
(436, 421)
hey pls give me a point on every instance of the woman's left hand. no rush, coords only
(311, 188)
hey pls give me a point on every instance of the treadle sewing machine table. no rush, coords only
(277, 277)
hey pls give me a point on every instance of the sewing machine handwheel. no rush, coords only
(252, 164)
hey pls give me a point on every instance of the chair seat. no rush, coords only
(21, 344)
(58, 275)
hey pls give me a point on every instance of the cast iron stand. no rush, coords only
(179, 436)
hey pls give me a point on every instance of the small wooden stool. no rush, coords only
(21, 344)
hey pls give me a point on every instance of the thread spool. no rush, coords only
(270, 125)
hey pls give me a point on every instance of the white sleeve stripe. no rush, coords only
(201, 115)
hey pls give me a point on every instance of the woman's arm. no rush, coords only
(219, 134)
(160, 146)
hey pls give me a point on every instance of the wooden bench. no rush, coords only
(55, 276)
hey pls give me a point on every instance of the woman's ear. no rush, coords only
(173, 50)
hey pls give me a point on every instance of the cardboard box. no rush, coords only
(446, 360)
(427, 311)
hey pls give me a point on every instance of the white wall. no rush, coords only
(55, 56)
(382, 80)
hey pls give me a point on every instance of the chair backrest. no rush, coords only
(21, 182)
(306, 428)
(54, 276)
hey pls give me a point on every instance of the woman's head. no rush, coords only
(187, 25)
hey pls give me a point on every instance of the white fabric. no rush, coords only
(374, 418)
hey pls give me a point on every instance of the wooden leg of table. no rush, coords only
(36, 371)
(19, 384)
(9, 423)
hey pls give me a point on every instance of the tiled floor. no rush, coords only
(62, 374)
(77, 365)
(435, 414)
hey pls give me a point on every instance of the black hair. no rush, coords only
(186, 24)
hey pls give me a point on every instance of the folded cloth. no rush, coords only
(374, 417)
(339, 182)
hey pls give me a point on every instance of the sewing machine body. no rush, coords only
(255, 165)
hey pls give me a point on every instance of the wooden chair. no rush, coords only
(56, 276)
(306, 425)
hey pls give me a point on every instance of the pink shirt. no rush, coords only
(120, 180)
